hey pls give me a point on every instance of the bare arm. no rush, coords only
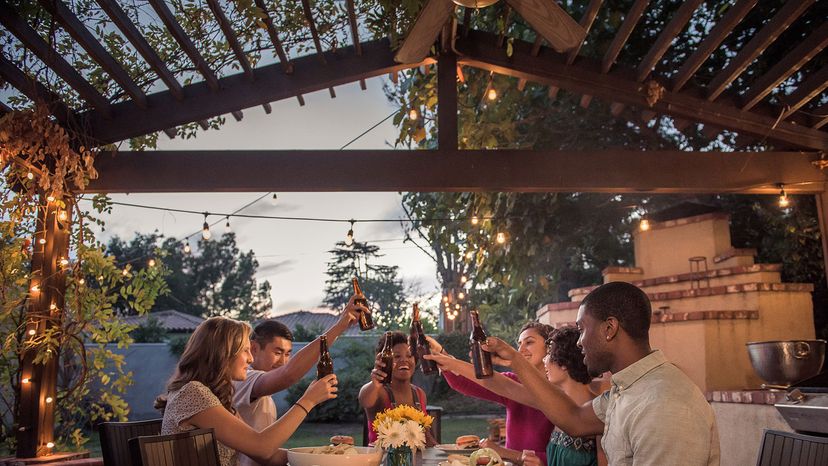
(264, 446)
(371, 395)
(575, 420)
(283, 377)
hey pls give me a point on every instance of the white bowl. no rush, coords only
(368, 456)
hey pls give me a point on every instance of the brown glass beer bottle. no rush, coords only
(421, 347)
(366, 320)
(387, 357)
(325, 365)
(481, 359)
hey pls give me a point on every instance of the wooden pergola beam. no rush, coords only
(665, 38)
(586, 22)
(812, 87)
(781, 20)
(721, 30)
(232, 40)
(32, 40)
(442, 170)
(820, 117)
(274, 38)
(237, 92)
(447, 101)
(134, 36)
(184, 41)
(34, 90)
(630, 21)
(788, 65)
(93, 47)
(585, 77)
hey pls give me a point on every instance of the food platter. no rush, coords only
(453, 448)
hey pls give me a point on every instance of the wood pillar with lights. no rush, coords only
(38, 388)
(822, 215)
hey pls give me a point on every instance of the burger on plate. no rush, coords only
(467, 441)
(342, 439)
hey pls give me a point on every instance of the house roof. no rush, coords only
(171, 320)
(313, 320)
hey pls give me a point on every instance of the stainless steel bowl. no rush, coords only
(786, 362)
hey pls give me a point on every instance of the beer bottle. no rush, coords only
(413, 336)
(366, 321)
(325, 365)
(481, 359)
(421, 345)
(387, 357)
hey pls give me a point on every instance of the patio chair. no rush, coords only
(787, 449)
(192, 448)
(437, 413)
(115, 439)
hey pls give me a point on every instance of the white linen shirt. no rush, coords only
(653, 414)
(257, 413)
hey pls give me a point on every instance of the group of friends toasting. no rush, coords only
(644, 411)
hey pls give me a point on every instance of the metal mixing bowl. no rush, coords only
(786, 362)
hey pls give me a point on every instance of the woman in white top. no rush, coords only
(200, 394)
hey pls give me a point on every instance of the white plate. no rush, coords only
(453, 448)
(303, 457)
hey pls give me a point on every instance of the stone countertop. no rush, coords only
(755, 397)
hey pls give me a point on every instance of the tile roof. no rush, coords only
(313, 319)
(173, 321)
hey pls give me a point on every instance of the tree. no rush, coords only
(385, 292)
(215, 279)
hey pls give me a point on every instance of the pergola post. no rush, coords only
(447, 101)
(822, 214)
(47, 286)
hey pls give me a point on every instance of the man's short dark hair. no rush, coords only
(396, 339)
(562, 348)
(625, 302)
(269, 329)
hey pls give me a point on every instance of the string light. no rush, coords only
(450, 316)
(644, 225)
(49, 399)
(463, 279)
(500, 238)
(30, 175)
(41, 241)
(64, 262)
(273, 198)
(125, 272)
(35, 289)
(457, 306)
(413, 114)
(461, 295)
(62, 215)
(187, 248)
(32, 332)
(445, 299)
(151, 262)
(50, 198)
(349, 238)
(50, 445)
(469, 254)
(475, 220)
(784, 201)
(205, 229)
(491, 94)
(53, 306)
(25, 380)
(81, 281)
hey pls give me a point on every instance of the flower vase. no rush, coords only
(400, 456)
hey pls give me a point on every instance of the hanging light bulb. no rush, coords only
(62, 215)
(461, 295)
(52, 306)
(644, 225)
(475, 220)
(450, 316)
(151, 262)
(227, 228)
(41, 241)
(469, 254)
(413, 114)
(463, 279)
(50, 445)
(64, 262)
(49, 399)
(491, 94)
(445, 299)
(273, 198)
(32, 332)
(187, 247)
(125, 272)
(35, 289)
(81, 281)
(500, 238)
(205, 229)
(457, 306)
(25, 380)
(784, 202)
(30, 175)
(349, 238)
(50, 198)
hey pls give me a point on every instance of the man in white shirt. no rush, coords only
(273, 368)
(653, 414)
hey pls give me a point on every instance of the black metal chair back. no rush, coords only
(787, 449)
(115, 439)
(192, 448)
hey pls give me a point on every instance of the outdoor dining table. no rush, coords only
(432, 457)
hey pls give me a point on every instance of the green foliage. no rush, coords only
(300, 333)
(177, 344)
(380, 283)
(215, 279)
(150, 331)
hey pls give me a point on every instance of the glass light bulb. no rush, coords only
(784, 201)
(475, 220)
(205, 231)
(187, 248)
(644, 225)
(500, 238)
(349, 238)
(62, 215)
(30, 175)
(50, 445)
(49, 399)
(463, 279)
(50, 198)
(151, 262)
(31, 332)
(492, 94)
(461, 295)
(412, 114)
(273, 198)
(25, 380)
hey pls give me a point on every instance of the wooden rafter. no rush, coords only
(733, 16)
(820, 117)
(34, 90)
(78, 31)
(630, 21)
(352, 21)
(586, 22)
(134, 36)
(237, 92)
(806, 91)
(467, 170)
(32, 40)
(274, 37)
(673, 28)
(232, 40)
(585, 77)
(317, 43)
(788, 65)
(184, 41)
(776, 26)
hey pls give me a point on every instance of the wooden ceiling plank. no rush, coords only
(719, 32)
(237, 92)
(783, 69)
(232, 40)
(184, 41)
(630, 21)
(134, 36)
(352, 21)
(34, 90)
(666, 37)
(96, 51)
(496, 170)
(287, 66)
(766, 36)
(621, 87)
(32, 40)
(306, 8)
(805, 92)
(586, 22)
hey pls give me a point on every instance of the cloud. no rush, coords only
(271, 267)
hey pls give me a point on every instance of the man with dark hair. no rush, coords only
(274, 369)
(653, 414)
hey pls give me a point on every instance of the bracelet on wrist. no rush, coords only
(303, 408)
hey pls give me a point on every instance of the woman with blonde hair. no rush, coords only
(200, 394)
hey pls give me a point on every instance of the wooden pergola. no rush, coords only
(793, 123)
